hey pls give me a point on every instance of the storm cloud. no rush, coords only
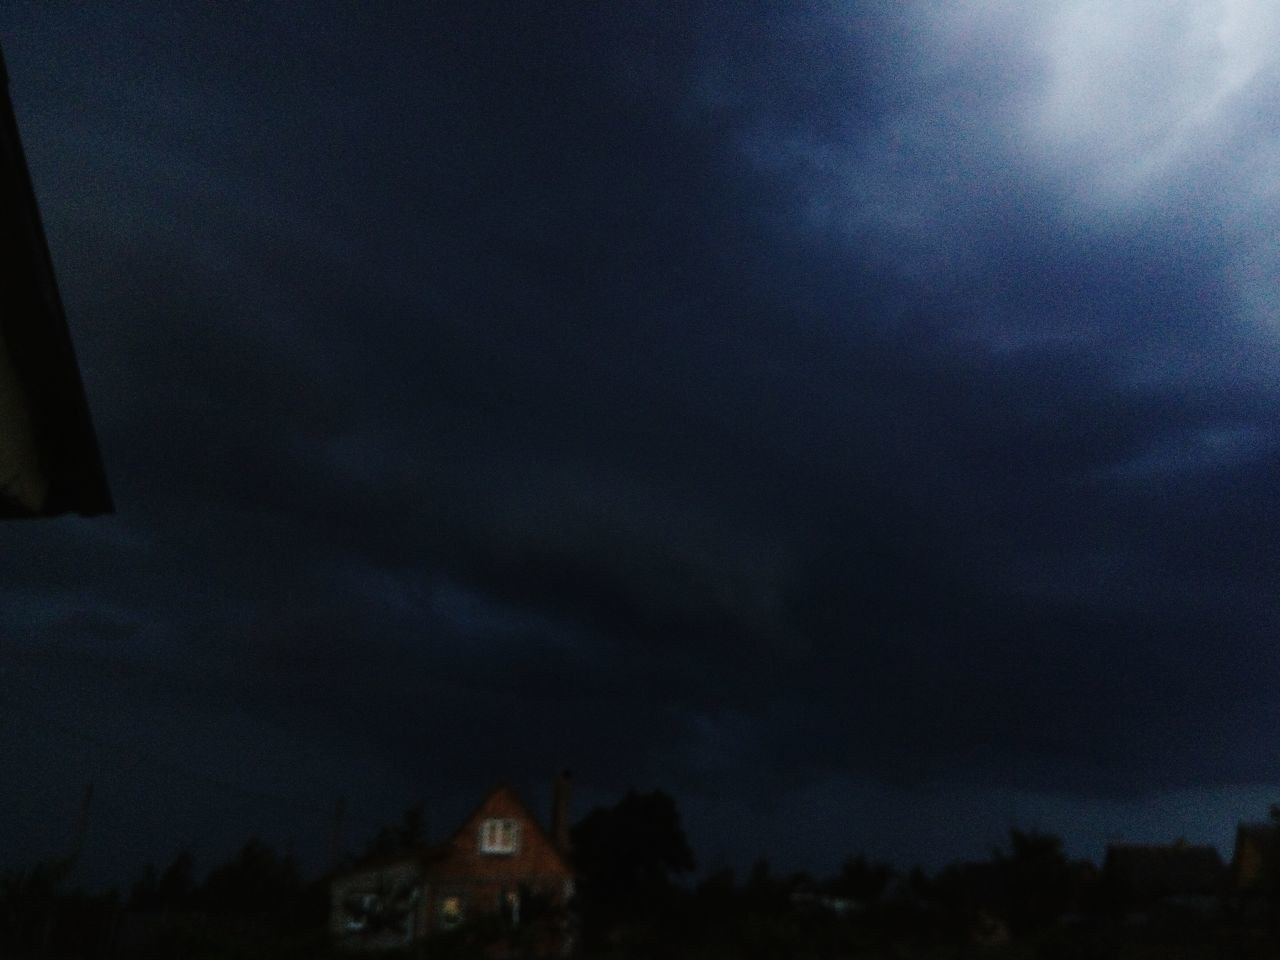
(867, 413)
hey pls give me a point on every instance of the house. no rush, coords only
(499, 866)
(1255, 858)
(1174, 875)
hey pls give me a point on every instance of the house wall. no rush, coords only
(461, 869)
(379, 882)
(1246, 867)
(483, 879)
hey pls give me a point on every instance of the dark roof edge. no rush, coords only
(68, 446)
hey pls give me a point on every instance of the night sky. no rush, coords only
(857, 420)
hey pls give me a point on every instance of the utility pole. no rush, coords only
(82, 823)
(336, 840)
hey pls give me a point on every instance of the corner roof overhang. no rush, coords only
(49, 460)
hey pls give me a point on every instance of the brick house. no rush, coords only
(1255, 859)
(1178, 874)
(499, 865)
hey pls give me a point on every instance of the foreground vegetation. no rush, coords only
(1026, 901)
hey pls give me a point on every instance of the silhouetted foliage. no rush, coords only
(256, 882)
(762, 891)
(26, 897)
(39, 918)
(410, 833)
(256, 906)
(171, 890)
(1037, 880)
(145, 892)
(177, 883)
(716, 895)
(862, 880)
(625, 856)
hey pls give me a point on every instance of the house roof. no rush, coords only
(49, 454)
(503, 792)
(1256, 854)
(1166, 870)
(427, 855)
(1259, 834)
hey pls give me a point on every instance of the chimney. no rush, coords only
(560, 811)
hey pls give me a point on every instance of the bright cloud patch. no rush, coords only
(1065, 123)
(1134, 91)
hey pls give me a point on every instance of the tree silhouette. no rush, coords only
(171, 890)
(256, 882)
(409, 834)
(145, 892)
(862, 880)
(177, 883)
(1037, 879)
(625, 856)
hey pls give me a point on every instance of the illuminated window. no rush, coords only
(499, 836)
(450, 911)
(386, 911)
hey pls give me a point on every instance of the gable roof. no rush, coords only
(502, 794)
(429, 854)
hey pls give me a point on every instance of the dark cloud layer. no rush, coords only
(752, 406)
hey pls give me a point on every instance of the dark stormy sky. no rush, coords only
(858, 420)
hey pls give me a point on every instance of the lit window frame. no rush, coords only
(500, 836)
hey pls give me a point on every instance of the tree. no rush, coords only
(1037, 879)
(760, 882)
(256, 882)
(717, 892)
(408, 834)
(27, 898)
(765, 892)
(625, 856)
(862, 880)
(170, 890)
(177, 883)
(145, 893)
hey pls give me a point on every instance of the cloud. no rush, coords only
(1089, 123)
(1138, 94)
(787, 405)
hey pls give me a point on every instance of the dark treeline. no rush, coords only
(636, 897)
(257, 903)
(1028, 899)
